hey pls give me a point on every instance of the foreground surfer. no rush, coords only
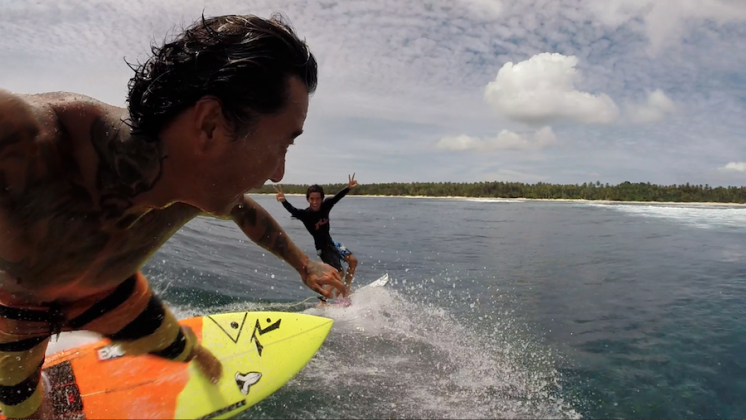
(316, 220)
(89, 192)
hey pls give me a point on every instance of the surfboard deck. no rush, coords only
(260, 352)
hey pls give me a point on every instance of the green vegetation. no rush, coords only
(625, 191)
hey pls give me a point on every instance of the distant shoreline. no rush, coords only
(568, 200)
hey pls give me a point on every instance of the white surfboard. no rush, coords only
(378, 283)
(345, 301)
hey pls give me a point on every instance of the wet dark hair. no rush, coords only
(314, 188)
(244, 61)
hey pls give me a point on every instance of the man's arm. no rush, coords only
(334, 200)
(263, 229)
(352, 183)
(298, 214)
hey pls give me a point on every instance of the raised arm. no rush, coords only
(264, 230)
(352, 183)
(298, 214)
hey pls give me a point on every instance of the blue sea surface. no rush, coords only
(497, 308)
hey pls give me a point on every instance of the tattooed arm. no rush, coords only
(261, 228)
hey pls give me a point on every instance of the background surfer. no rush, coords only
(316, 220)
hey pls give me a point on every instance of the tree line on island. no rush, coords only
(626, 191)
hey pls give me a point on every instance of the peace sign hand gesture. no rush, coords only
(280, 196)
(351, 181)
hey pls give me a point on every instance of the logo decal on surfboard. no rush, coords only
(257, 329)
(246, 380)
(234, 325)
(262, 331)
(113, 351)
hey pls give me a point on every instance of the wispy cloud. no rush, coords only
(505, 140)
(656, 108)
(659, 82)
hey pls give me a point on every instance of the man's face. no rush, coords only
(314, 201)
(239, 165)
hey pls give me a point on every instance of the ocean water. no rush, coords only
(497, 308)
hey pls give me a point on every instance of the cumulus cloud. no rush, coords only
(505, 140)
(542, 90)
(734, 166)
(657, 107)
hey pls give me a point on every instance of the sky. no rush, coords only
(561, 91)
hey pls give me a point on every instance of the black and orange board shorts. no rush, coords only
(130, 315)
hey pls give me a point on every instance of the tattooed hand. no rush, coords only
(319, 274)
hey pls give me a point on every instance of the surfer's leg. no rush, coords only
(348, 257)
(24, 336)
(330, 255)
(139, 323)
(351, 266)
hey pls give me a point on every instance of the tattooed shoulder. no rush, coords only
(25, 141)
(128, 165)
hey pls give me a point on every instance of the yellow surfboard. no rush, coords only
(260, 352)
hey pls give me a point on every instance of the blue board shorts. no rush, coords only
(334, 254)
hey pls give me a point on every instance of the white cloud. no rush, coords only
(657, 107)
(542, 90)
(734, 166)
(505, 140)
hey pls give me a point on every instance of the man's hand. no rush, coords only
(319, 274)
(351, 181)
(280, 196)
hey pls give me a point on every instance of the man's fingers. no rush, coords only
(317, 286)
(324, 292)
(335, 278)
(336, 284)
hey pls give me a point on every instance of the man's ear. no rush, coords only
(208, 121)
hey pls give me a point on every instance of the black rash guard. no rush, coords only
(317, 222)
